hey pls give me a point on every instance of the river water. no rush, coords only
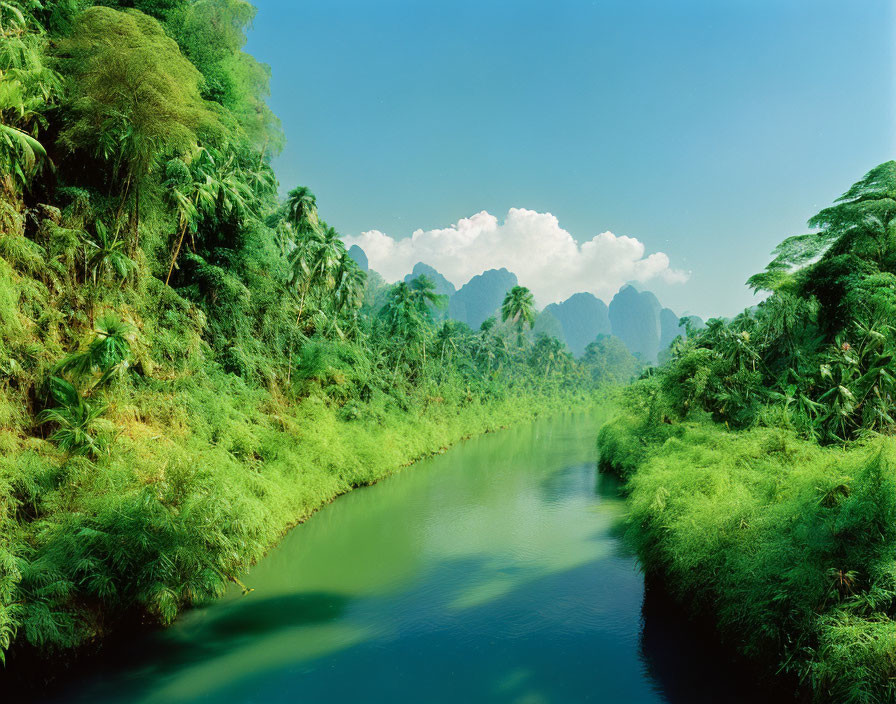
(492, 573)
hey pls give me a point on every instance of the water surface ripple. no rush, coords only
(492, 573)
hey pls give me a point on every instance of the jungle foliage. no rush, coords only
(189, 364)
(760, 459)
(816, 355)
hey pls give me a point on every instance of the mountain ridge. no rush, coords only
(634, 316)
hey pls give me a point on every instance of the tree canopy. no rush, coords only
(519, 308)
(819, 349)
(133, 96)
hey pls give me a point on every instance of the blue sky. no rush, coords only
(708, 130)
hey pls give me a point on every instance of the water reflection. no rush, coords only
(688, 665)
(493, 573)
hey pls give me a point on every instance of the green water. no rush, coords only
(491, 573)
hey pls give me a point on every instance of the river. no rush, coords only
(491, 573)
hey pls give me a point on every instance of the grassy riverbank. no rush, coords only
(761, 458)
(189, 363)
(789, 546)
(199, 487)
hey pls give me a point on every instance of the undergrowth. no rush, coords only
(786, 544)
(202, 482)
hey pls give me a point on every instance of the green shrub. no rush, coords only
(789, 545)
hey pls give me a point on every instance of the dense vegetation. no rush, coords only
(188, 364)
(761, 463)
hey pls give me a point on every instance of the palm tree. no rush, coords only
(301, 260)
(283, 234)
(327, 256)
(182, 196)
(548, 351)
(302, 270)
(446, 338)
(75, 419)
(519, 309)
(315, 262)
(405, 324)
(402, 313)
(301, 210)
(319, 263)
(348, 294)
(350, 281)
(498, 351)
(424, 291)
(210, 185)
(108, 254)
(108, 353)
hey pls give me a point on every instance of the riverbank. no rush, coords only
(203, 481)
(189, 363)
(498, 559)
(788, 546)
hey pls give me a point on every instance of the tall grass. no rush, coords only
(202, 481)
(789, 546)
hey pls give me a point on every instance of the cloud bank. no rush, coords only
(543, 255)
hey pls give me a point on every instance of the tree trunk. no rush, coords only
(289, 364)
(397, 364)
(135, 236)
(124, 199)
(301, 306)
(180, 241)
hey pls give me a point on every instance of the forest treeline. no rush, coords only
(188, 363)
(761, 464)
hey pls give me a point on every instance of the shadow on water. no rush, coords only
(272, 614)
(495, 573)
(607, 487)
(610, 490)
(214, 633)
(687, 663)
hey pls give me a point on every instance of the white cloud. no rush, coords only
(543, 255)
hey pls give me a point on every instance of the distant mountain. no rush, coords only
(582, 317)
(481, 296)
(356, 253)
(443, 286)
(669, 327)
(635, 319)
(696, 322)
(546, 323)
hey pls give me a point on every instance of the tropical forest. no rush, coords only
(247, 455)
